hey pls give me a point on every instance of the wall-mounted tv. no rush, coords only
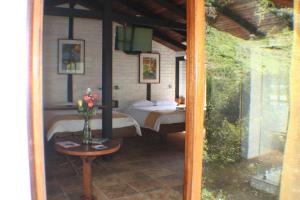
(133, 39)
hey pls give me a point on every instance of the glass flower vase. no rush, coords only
(87, 133)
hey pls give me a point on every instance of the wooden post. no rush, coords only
(70, 76)
(107, 69)
(290, 178)
(195, 99)
(87, 177)
(148, 95)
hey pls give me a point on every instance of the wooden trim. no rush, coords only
(195, 99)
(35, 125)
(290, 177)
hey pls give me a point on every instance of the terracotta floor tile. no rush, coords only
(146, 185)
(171, 180)
(118, 191)
(164, 194)
(157, 172)
(133, 176)
(134, 197)
(57, 197)
(108, 180)
(53, 188)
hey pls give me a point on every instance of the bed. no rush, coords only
(69, 121)
(163, 118)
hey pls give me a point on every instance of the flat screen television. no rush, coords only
(133, 39)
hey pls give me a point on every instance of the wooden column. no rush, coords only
(148, 95)
(107, 69)
(290, 178)
(70, 37)
(195, 99)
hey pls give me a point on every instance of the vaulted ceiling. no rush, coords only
(168, 17)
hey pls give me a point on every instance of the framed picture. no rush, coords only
(149, 68)
(70, 56)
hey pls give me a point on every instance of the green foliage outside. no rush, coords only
(208, 195)
(227, 68)
(228, 64)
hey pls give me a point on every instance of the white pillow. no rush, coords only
(142, 103)
(165, 103)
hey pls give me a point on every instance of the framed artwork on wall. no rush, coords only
(71, 56)
(149, 68)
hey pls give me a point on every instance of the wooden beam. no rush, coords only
(55, 2)
(144, 12)
(148, 21)
(283, 3)
(168, 40)
(242, 22)
(172, 8)
(68, 12)
(107, 43)
(194, 136)
(143, 21)
(148, 95)
(70, 36)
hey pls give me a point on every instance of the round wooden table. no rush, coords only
(87, 154)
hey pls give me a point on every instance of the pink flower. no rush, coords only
(94, 96)
(90, 104)
(86, 98)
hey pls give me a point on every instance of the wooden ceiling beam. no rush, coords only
(144, 12)
(242, 22)
(69, 12)
(143, 21)
(169, 40)
(172, 8)
(55, 2)
(283, 3)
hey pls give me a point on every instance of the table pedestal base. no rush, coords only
(87, 178)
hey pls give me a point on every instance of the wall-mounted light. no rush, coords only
(116, 87)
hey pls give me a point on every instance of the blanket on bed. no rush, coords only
(153, 116)
(57, 118)
(74, 122)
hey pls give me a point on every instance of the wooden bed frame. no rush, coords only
(166, 129)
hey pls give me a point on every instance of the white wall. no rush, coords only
(125, 67)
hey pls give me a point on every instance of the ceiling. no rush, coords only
(168, 17)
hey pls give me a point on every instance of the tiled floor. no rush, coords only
(142, 169)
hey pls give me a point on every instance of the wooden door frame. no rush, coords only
(195, 100)
(35, 105)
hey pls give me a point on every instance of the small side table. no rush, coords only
(87, 155)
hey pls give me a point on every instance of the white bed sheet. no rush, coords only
(140, 114)
(77, 125)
